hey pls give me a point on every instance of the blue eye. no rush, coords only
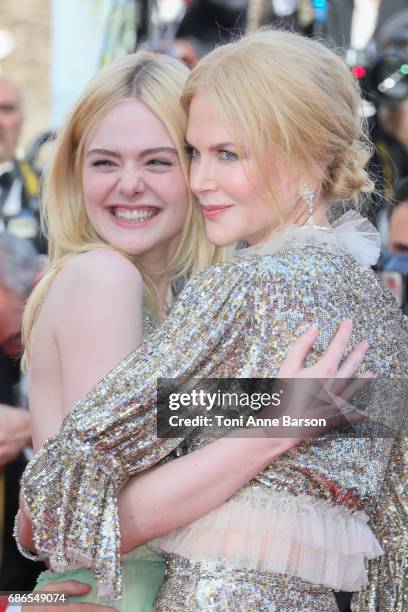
(228, 155)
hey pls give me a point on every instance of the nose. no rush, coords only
(131, 183)
(202, 179)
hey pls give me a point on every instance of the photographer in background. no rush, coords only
(20, 267)
(20, 240)
(208, 23)
(393, 263)
(19, 184)
(388, 83)
(398, 225)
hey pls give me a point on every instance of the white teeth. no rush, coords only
(133, 215)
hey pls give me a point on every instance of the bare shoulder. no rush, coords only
(107, 264)
(93, 312)
(104, 270)
(102, 279)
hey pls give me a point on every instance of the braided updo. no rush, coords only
(346, 176)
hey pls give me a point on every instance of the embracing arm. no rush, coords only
(70, 486)
(111, 434)
(180, 491)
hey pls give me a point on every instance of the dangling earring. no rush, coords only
(308, 196)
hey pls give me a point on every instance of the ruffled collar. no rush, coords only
(351, 233)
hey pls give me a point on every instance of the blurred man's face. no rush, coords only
(395, 121)
(11, 315)
(398, 230)
(11, 311)
(11, 119)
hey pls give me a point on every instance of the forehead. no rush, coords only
(129, 122)
(399, 218)
(8, 92)
(204, 124)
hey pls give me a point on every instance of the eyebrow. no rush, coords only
(5, 105)
(143, 153)
(217, 147)
(102, 152)
(159, 150)
(400, 245)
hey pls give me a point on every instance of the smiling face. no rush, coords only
(133, 185)
(231, 188)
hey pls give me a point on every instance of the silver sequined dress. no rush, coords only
(298, 530)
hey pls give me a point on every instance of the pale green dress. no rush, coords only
(143, 575)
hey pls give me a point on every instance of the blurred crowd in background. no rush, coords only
(373, 37)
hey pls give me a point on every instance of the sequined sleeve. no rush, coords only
(70, 485)
(387, 588)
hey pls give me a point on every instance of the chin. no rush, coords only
(221, 239)
(219, 242)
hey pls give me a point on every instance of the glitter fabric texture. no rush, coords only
(234, 319)
(387, 588)
(211, 585)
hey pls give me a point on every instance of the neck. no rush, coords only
(156, 263)
(319, 217)
(296, 218)
(162, 285)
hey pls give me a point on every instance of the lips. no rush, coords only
(215, 210)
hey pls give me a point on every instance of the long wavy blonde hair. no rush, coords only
(157, 81)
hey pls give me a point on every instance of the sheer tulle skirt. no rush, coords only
(299, 536)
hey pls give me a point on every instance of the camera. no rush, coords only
(387, 78)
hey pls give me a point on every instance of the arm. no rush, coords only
(111, 435)
(70, 485)
(178, 492)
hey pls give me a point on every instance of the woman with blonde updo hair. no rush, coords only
(276, 141)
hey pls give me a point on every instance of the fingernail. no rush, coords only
(313, 330)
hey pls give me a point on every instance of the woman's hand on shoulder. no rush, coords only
(317, 398)
(332, 363)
